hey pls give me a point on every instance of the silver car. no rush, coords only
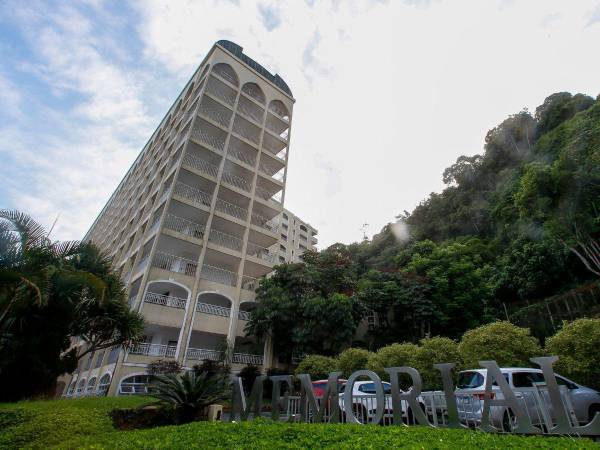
(581, 403)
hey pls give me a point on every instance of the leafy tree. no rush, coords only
(576, 346)
(352, 359)
(393, 355)
(317, 366)
(248, 374)
(432, 351)
(51, 293)
(503, 342)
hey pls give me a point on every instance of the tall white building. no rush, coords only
(297, 236)
(194, 223)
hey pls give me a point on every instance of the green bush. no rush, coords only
(503, 342)
(577, 346)
(392, 356)
(317, 366)
(352, 359)
(433, 351)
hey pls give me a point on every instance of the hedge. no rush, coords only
(86, 424)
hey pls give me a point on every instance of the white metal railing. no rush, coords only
(165, 300)
(245, 358)
(259, 252)
(184, 226)
(225, 75)
(231, 209)
(221, 91)
(236, 181)
(201, 165)
(174, 263)
(219, 275)
(245, 132)
(241, 156)
(251, 91)
(244, 315)
(215, 310)
(249, 283)
(214, 115)
(148, 349)
(279, 113)
(204, 137)
(255, 114)
(193, 194)
(273, 129)
(265, 223)
(202, 354)
(225, 240)
(268, 196)
(266, 170)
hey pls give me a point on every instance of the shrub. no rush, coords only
(164, 367)
(352, 359)
(577, 346)
(212, 368)
(317, 366)
(144, 417)
(503, 342)
(248, 374)
(432, 351)
(393, 355)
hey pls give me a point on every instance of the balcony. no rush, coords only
(215, 112)
(184, 226)
(220, 90)
(245, 358)
(260, 252)
(193, 194)
(264, 194)
(263, 222)
(214, 310)
(233, 210)
(218, 275)
(244, 315)
(210, 135)
(246, 129)
(249, 283)
(225, 240)
(174, 263)
(156, 350)
(236, 181)
(251, 110)
(165, 300)
(201, 165)
(203, 354)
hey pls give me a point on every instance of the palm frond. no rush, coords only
(31, 233)
(66, 248)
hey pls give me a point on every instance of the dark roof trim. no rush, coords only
(236, 50)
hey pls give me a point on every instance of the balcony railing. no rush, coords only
(159, 350)
(244, 315)
(265, 223)
(174, 263)
(201, 165)
(201, 135)
(231, 209)
(245, 358)
(254, 112)
(266, 170)
(221, 91)
(268, 196)
(191, 193)
(214, 115)
(219, 275)
(165, 300)
(249, 283)
(202, 354)
(238, 182)
(246, 132)
(215, 310)
(241, 156)
(184, 226)
(260, 252)
(225, 240)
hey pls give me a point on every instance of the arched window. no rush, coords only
(71, 389)
(225, 71)
(254, 91)
(90, 386)
(277, 107)
(80, 387)
(214, 304)
(136, 384)
(104, 384)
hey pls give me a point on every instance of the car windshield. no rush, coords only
(369, 388)
(469, 380)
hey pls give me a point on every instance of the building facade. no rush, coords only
(195, 223)
(296, 237)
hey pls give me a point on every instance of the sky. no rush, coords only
(388, 93)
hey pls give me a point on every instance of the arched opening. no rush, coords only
(253, 90)
(225, 71)
(277, 107)
(214, 303)
(80, 387)
(89, 390)
(166, 293)
(71, 389)
(246, 309)
(104, 384)
(135, 384)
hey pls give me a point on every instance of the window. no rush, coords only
(527, 379)
(285, 216)
(303, 228)
(284, 226)
(469, 380)
(282, 248)
(369, 388)
(137, 384)
(99, 359)
(90, 387)
(104, 384)
(281, 259)
(80, 387)
(562, 382)
(284, 237)
(302, 247)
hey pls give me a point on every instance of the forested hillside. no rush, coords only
(498, 235)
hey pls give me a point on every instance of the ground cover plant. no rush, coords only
(85, 423)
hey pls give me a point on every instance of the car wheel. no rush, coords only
(509, 421)
(592, 411)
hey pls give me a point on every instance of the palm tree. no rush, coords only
(189, 394)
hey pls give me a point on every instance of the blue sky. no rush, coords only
(388, 93)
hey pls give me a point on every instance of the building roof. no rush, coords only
(236, 50)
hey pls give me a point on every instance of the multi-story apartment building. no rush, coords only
(296, 237)
(194, 223)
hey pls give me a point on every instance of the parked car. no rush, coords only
(319, 386)
(529, 387)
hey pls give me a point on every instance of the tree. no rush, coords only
(51, 293)
(351, 360)
(502, 342)
(432, 351)
(576, 346)
(394, 355)
(317, 366)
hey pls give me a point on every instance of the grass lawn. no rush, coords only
(85, 423)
